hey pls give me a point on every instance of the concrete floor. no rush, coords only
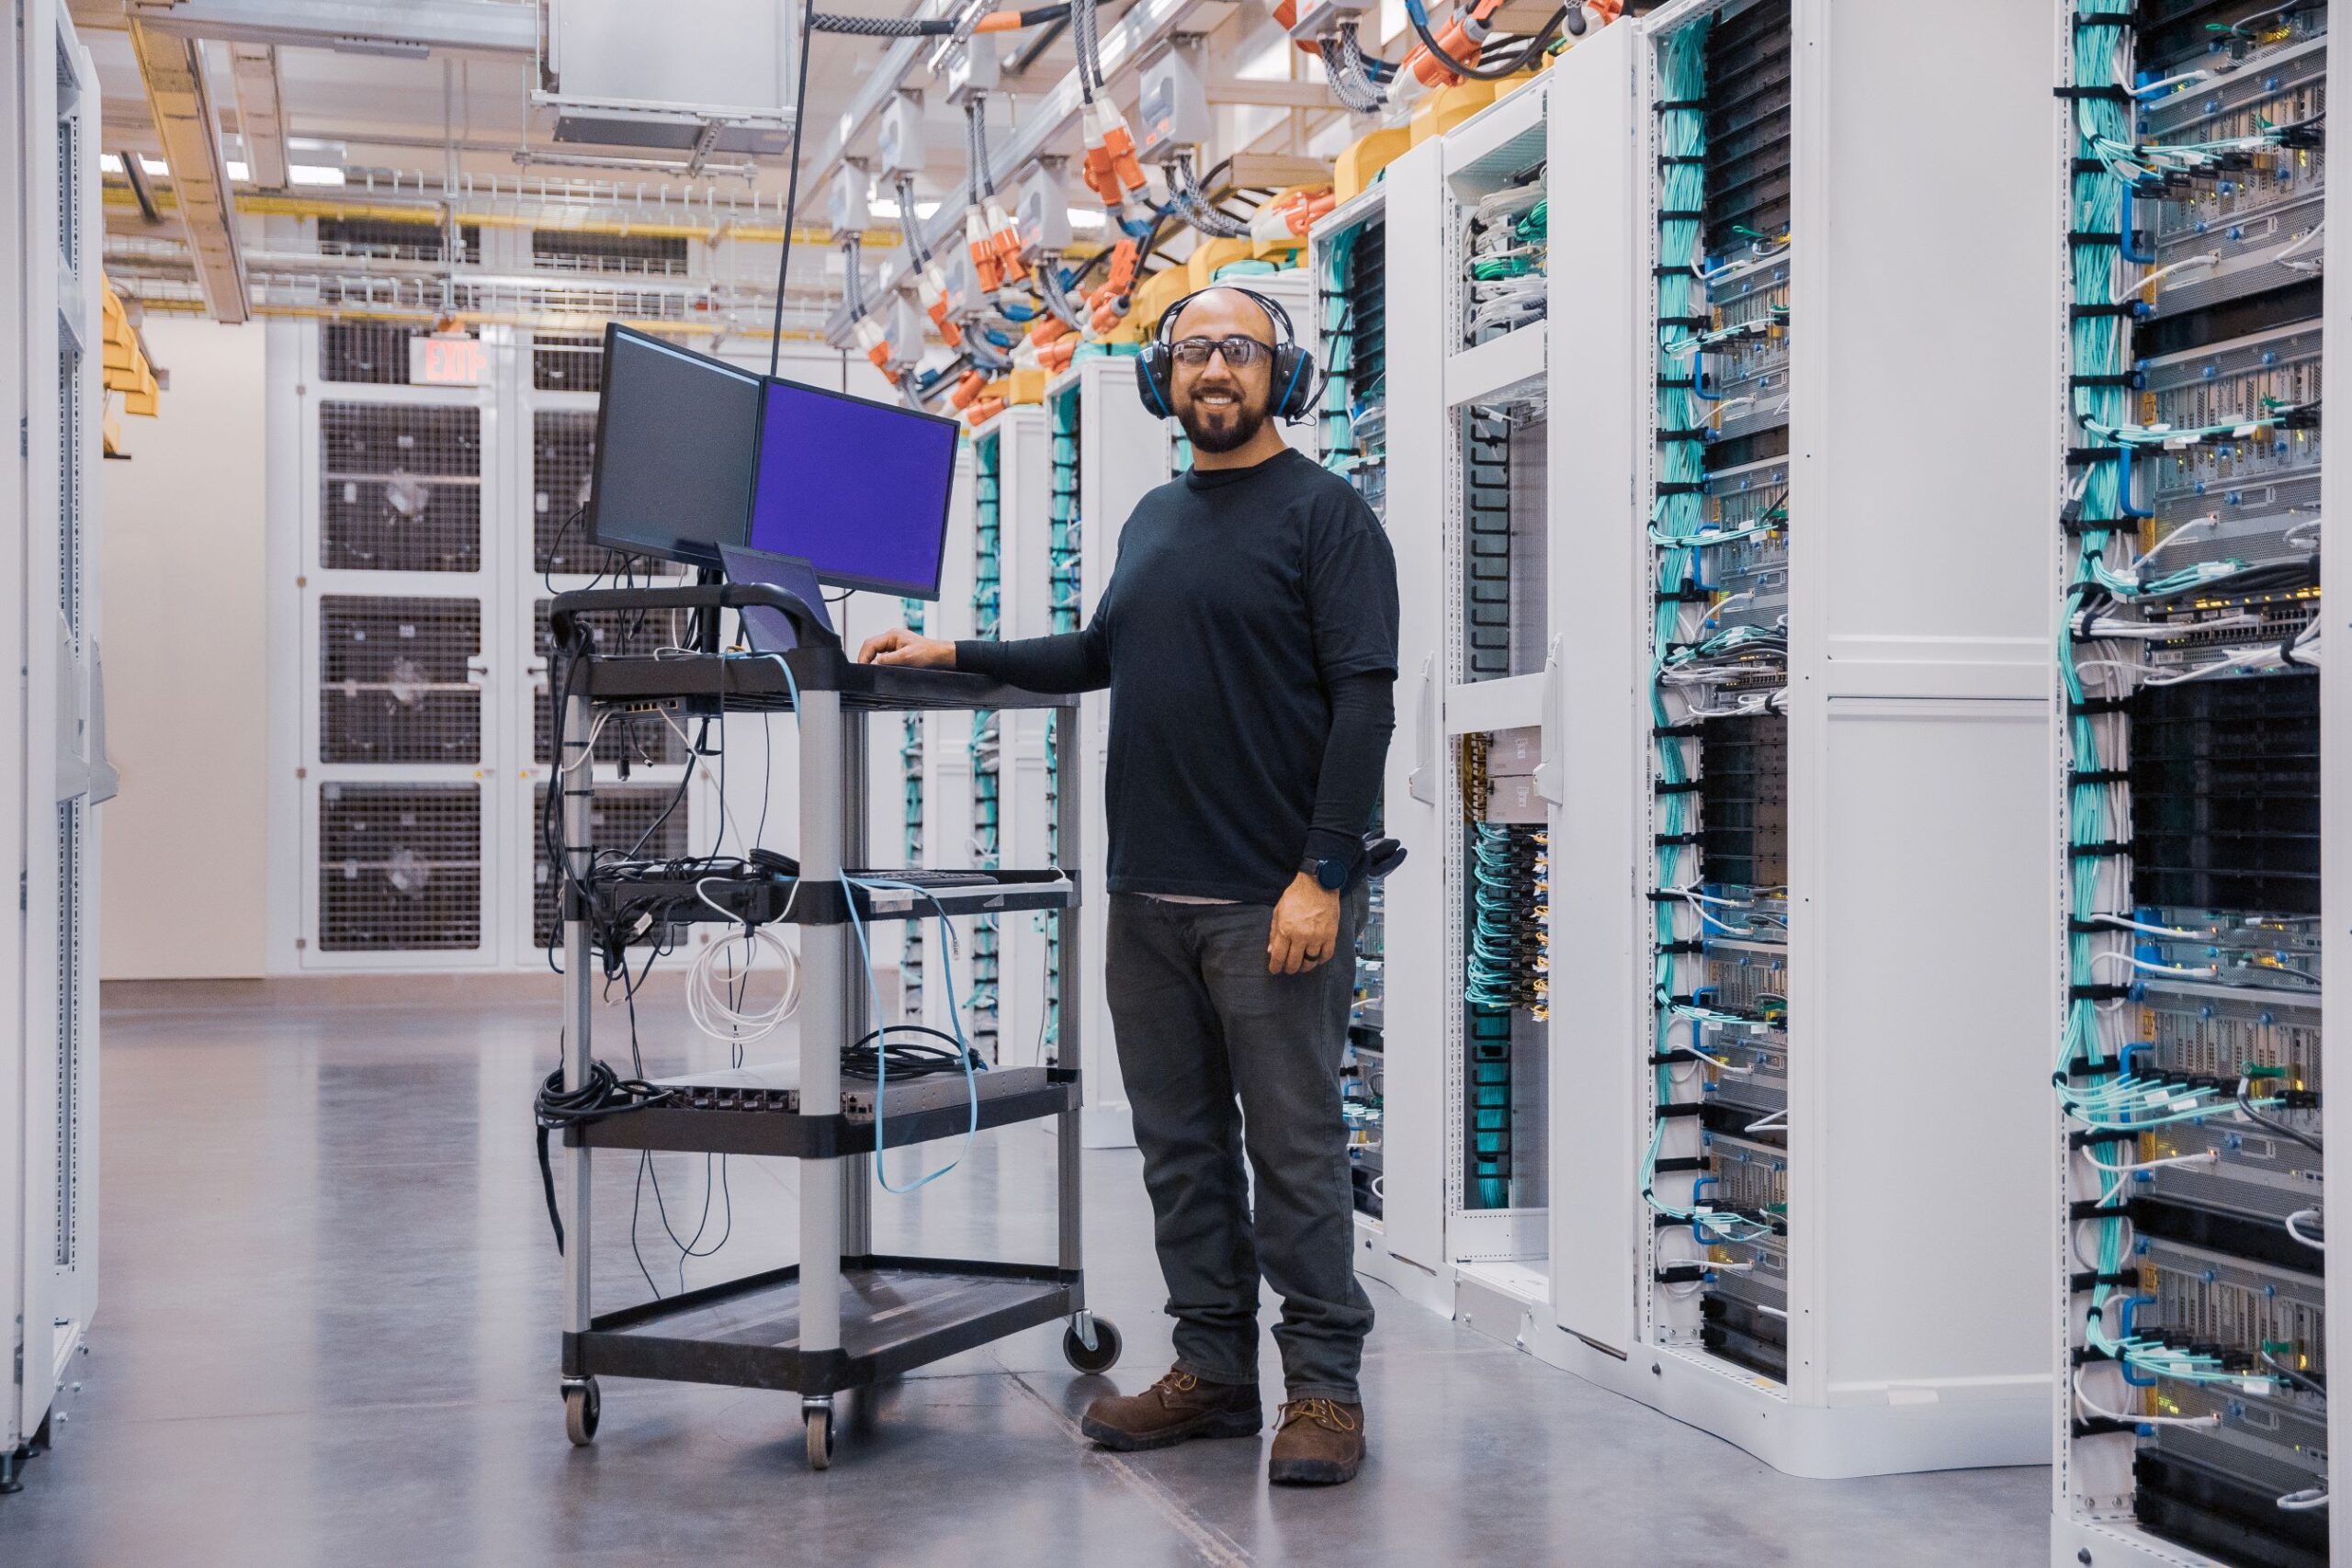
(328, 1333)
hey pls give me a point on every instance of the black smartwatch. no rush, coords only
(1330, 874)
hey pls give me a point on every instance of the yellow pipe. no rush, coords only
(314, 207)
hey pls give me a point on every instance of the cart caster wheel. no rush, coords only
(1105, 1354)
(582, 1407)
(820, 1424)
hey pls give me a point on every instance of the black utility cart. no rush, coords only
(844, 1316)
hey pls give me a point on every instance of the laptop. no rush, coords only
(770, 630)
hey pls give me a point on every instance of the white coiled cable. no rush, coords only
(709, 994)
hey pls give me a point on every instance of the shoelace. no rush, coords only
(1322, 1412)
(1174, 1384)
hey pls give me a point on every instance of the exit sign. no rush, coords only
(446, 361)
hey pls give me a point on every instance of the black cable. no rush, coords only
(2308, 1383)
(605, 1093)
(1517, 63)
(921, 27)
(792, 186)
(2246, 1109)
(866, 1058)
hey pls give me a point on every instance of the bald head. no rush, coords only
(1225, 312)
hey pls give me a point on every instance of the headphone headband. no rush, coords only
(1276, 317)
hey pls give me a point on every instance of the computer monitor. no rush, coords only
(858, 490)
(766, 628)
(677, 439)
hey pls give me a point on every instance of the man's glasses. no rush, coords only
(1240, 353)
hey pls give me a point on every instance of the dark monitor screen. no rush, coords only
(859, 489)
(768, 629)
(676, 438)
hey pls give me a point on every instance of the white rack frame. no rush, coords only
(56, 771)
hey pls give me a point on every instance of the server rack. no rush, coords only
(2201, 844)
(1348, 261)
(1468, 478)
(1011, 500)
(1901, 707)
(1110, 470)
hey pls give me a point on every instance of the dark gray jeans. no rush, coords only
(1218, 1056)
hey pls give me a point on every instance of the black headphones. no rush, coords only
(1293, 373)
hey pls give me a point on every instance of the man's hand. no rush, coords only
(1306, 929)
(903, 647)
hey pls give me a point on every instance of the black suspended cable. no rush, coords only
(792, 184)
(1518, 63)
(929, 26)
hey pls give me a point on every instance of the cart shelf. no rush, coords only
(896, 1313)
(822, 903)
(759, 1122)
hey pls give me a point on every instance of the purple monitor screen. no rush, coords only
(859, 489)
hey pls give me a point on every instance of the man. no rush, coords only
(1249, 638)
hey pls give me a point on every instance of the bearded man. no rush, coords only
(1249, 640)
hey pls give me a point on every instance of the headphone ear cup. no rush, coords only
(1151, 379)
(1295, 381)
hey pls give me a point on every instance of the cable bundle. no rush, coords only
(1510, 944)
(910, 762)
(987, 577)
(1062, 563)
(1509, 252)
(1337, 347)
(557, 1108)
(1676, 526)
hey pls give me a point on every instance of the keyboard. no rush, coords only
(924, 878)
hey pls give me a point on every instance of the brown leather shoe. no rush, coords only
(1317, 1442)
(1178, 1406)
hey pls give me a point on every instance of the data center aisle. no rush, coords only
(329, 1339)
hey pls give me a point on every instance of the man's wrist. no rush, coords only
(1325, 876)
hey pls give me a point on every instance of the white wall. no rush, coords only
(186, 668)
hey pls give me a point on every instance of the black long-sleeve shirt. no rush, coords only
(1249, 640)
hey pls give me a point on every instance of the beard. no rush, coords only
(1222, 430)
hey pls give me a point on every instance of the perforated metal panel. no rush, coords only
(394, 683)
(401, 487)
(368, 353)
(562, 250)
(642, 737)
(567, 363)
(394, 239)
(69, 1028)
(69, 487)
(400, 867)
(648, 820)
